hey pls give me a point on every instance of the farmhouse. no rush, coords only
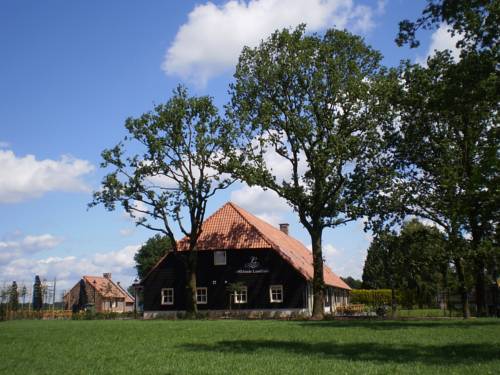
(243, 263)
(101, 292)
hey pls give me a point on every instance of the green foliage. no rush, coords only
(352, 282)
(447, 145)
(317, 104)
(150, 253)
(164, 172)
(371, 297)
(13, 297)
(37, 294)
(475, 22)
(415, 261)
(172, 176)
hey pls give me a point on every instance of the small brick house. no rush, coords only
(272, 269)
(101, 292)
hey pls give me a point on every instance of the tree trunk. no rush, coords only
(191, 306)
(495, 290)
(459, 265)
(480, 287)
(318, 280)
(393, 302)
(480, 279)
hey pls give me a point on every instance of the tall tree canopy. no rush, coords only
(315, 105)
(163, 172)
(475, 21)
(453, 138)
(150, 253)
(37, 294)
(14, 297)
(448, 143)
(416, 260)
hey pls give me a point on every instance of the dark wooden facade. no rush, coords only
(258, 270)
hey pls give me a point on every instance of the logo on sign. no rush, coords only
(253, 266)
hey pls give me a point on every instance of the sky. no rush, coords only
(71, 72)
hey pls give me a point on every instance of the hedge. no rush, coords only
(371, 297)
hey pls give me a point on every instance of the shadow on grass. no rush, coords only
(393, 324)
(430, 354)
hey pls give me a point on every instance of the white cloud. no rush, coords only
(265, 204)
(26, 246)
(69, 269)
(26, 177)
(343, 263)
(126, 232)
(441, 39)
(211, 40)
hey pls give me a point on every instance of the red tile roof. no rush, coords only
(231, 227)
(107, 288)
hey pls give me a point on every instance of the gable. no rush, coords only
(233, 228)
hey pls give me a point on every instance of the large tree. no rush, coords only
(163, 173)
(150, 253)
(447, 152)
(471, 85)
(316, 104)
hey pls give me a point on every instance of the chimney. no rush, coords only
(284, 228)
(107, 275)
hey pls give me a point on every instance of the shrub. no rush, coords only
(371, 297)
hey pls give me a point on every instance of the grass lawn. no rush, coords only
(250, 347)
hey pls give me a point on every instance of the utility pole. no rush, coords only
(54, 298)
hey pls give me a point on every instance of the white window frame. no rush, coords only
(204, 294)
(219, 262)
(241, 296)
(164, 296)
(279, 289)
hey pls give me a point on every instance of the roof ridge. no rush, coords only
(123, 290)
(266, 239)
(177, 243)
(205, 220)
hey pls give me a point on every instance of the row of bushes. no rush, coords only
(31, 314)
(238, 314)
(108, 315)
(372, 297)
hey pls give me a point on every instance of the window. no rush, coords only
(240, 296)
(167, 296)
(276, 293)
(201, 295)
(220, 258)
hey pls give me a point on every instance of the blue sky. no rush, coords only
(72, 72)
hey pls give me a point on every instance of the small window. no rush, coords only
(201, 295)
(276, 293)
(240, 296)
(167, 296)
(220, 258)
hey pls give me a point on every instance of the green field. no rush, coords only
(250, 347)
